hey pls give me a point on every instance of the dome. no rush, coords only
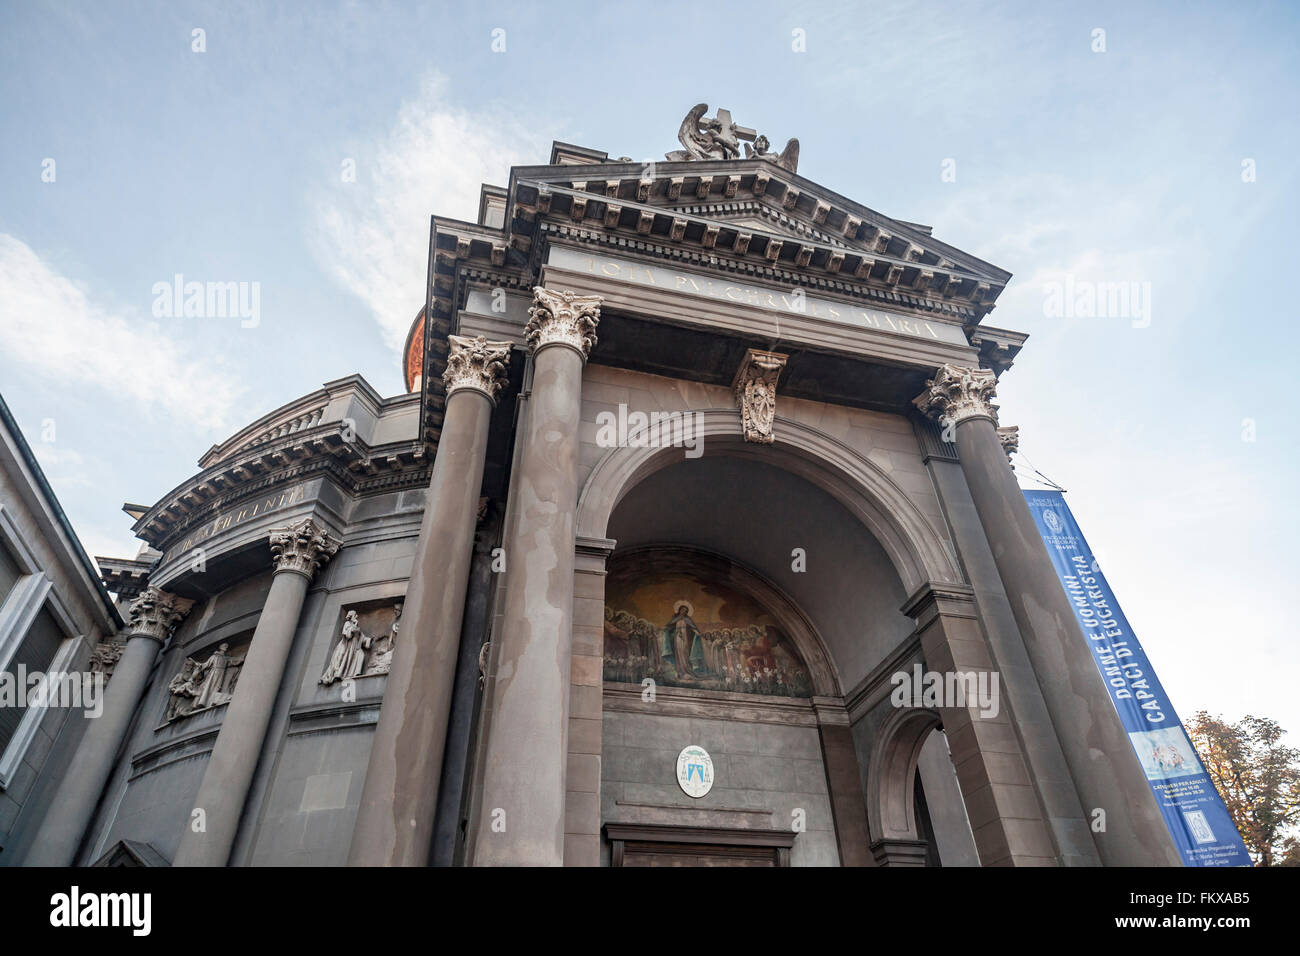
(413, 354)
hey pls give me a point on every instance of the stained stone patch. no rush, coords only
(325, 791)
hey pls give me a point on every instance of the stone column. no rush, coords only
(1022, 697)
(395, 822)
(462, 720)
(521, 819)
(586, 704)
(988, 757)
(298, 550)
(1106, 772)
(150, 619)
(949, 823)
(843, 782)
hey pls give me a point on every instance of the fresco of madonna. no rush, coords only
(684, 631)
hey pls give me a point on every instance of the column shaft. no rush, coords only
(1021, 694)
(73, 805)
(150, 619)
(844, 788)
(465, 695)
(522, 807)
(243, 730)
(953, 837)
(1005, 815)
(1101, 760)
(395, 821)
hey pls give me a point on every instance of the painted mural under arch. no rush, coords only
(682, 627)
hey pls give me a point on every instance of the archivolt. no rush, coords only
(917, 552)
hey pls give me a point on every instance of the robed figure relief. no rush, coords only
(203, 684)
(213, 674)
(183, 691)
(349, 656)
(365, 644)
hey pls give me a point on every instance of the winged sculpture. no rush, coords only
(788, 158)
(717, 137)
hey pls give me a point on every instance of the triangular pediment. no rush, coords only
(748, 217)
(131, 853)
(759, 218)
(756, 196)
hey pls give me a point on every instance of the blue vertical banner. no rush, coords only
(1197, 819)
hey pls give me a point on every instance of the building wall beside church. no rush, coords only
(30, 524)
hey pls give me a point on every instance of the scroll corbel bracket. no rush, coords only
(755, 390)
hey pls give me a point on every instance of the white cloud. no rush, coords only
(51, 456)
(370, 235)
(50, 324)
(1186, 523)
(63, 467)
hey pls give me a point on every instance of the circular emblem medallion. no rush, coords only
(1053, 521)
(695, 771)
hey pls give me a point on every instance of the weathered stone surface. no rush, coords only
(395, 821)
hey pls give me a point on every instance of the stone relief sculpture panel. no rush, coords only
(105, 657)
(365, 644)
(685, 629)
(200, 685)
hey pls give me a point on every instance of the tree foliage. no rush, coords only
(1259, 780)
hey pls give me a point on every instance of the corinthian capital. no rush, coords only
(477, 364)
(562, 318)
(956, 394)
(301, 547)
(1009, 435)
(155, 612)
(755, 389)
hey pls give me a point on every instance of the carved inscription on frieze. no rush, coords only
(786, 301)
(236, 516)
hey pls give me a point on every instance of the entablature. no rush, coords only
(367, 444)
(734, 219)
(892, 257)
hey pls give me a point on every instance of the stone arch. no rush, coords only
(793, 621)
(891, 773)
(914, 548)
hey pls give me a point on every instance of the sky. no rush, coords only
(1153, 145)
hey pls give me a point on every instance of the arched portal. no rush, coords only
(867, 492)
(827, 547)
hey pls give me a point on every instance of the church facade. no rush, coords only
(699, 479)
